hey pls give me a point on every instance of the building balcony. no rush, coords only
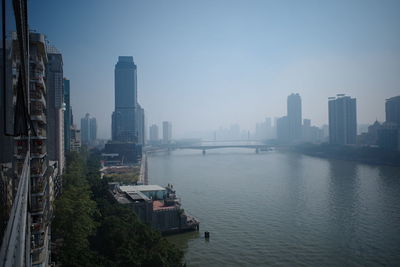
(39, 247)
(40, 256)
(38, 84)
(38, 148)
(19, 165)
(37, 108)
(39, 202)
(41, 134)
(20, 148)
(37, 65)
(39, 224)
(37, 97)
(38, 185)
(37, 90)
(39, 118)
(38, 167)
(36, 75)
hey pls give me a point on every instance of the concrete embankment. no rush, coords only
(143, 174)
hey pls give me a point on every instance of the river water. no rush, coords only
(283, 209)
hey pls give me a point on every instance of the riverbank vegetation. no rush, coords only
(368, 155)
(90, 229)
(123, 174)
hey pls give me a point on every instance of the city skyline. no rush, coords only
(238, 99)
(235, 66)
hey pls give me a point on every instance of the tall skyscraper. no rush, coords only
(392, 108)
(88, 129)
(128, 122)
(294, 117)
(67, 115)
(55, 112)
(43, 170)
(124, 116)
(342, 120)
(167, 132)
(154, 133)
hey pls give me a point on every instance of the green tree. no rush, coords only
(97, 231)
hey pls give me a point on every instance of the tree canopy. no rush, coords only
(94, 230)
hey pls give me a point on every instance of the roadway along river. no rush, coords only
(283, 209)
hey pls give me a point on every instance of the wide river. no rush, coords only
(283, 209)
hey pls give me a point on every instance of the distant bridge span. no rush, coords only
(204, 148)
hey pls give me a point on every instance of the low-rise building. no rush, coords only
(156, 206)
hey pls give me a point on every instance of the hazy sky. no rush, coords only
(204, 64)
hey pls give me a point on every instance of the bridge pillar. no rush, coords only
(257, 150)
(204, 151)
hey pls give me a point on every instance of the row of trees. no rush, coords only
(93, 230)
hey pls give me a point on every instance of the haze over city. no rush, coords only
(208, 64)
(199, 133)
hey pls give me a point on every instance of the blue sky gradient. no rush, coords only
(205, 64)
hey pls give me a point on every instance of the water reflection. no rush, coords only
(389, 175)
(284, 209)
(343, 209)
(294, 183)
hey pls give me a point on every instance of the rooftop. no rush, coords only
(125, 59)
(141, 188)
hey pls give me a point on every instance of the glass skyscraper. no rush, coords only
(124, 117)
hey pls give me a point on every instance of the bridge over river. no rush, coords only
(204, 148)
(208, 146)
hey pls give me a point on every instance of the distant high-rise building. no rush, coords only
(294, 117)
(85, 129)
(67, 115)
(75, 138)
(88, 130)
(325, 132)
(282, 129)
(389, 136)
(140, 122)
(342, 120)
(55, 112)
(311, 134)
(167, 132)
(154, 133)
(264, 130)
(93, 129)
(392, 108)
(370, 137)
(389, 133)
(124, 117)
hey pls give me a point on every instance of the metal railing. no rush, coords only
(14, 250)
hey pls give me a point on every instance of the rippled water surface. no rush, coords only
(283, 209)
